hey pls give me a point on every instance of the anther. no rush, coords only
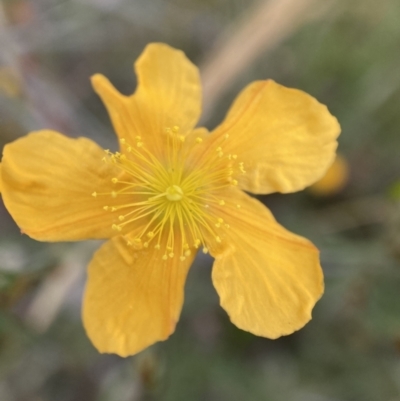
(221, 202)
(150, 234)
(218, 239)
(238, 206)
(205, 250)
(105, 208)
(188, 252)
(146, 245)
(114, 180)
(113, 194)
(94, 194)
(171, 255)
(175, 129)
(182, 258)
(199, 140)
(234, 182)
(226, 136)
(121, 218)
(137, 242)
(116, 227)
(157, 247)
(165, 257)
(219, 222)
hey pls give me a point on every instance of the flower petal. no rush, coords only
(133, 298)
(168, 94)
(1, 184)
(47, 183)
(169, 88)
(268, 278)
(285, 138)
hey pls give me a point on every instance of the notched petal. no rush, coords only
(168, 95)
(122, 109)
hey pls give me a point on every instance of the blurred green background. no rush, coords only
(346, 54)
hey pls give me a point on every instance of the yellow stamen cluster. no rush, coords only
(169, 198)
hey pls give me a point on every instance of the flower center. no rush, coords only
(174, 193)
(168, 202)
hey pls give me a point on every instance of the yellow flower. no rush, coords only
(334, 180)
(173, 189)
